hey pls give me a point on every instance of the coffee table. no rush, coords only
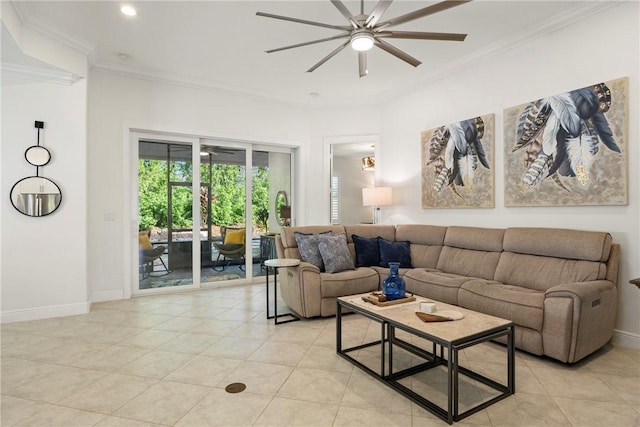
(447, 339)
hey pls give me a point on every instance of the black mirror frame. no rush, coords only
(26, 214)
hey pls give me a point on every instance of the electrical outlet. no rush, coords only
(108, 216)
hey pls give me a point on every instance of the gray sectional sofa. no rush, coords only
(558, 286)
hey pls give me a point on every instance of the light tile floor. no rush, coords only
(164, 360)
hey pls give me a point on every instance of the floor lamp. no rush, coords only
(376, 197)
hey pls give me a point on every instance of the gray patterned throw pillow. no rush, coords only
(335, 253)
(308, 248)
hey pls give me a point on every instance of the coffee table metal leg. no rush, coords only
(452, 389)
(511, 364)
(385, 334)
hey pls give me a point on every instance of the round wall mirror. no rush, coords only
(35, 196)
(37, 155)
(283, 209)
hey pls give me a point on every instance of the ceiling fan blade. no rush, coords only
(397, 52)
(375, 16)
(304, 21)
(418, 35)
(362, 63)
(341, 36)
(328, 57)
(345, 12)
(425, 11)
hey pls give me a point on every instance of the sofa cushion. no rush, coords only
(426, 243)
(523, 306)
(348, 282)
(467, 262)
(476, 238)
(571, 244)
(542, 273)
(394, 252)
(434, 284)
(308, 248)
(386, 231)
(367, 251)
(335, 253)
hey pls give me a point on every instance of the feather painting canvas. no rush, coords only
(569, 149)
(458, 163)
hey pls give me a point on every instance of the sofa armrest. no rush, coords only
(578, 318)
(300, 288)
(583, 290)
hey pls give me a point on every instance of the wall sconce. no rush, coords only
(376, 197)
(368, 163)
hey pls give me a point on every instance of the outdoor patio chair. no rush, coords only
(148, 254)
(231, 249)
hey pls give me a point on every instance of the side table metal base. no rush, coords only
(290, 316)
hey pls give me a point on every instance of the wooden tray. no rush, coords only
(374, 299)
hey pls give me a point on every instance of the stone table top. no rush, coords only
(452, 331)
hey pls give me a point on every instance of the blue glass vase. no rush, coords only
(393, 285)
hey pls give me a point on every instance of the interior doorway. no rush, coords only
(352, 168)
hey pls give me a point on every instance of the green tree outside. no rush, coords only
(227, 194)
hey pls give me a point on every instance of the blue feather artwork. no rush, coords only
(457, 164)
(568, 149)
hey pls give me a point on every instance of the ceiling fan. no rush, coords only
(365, 31)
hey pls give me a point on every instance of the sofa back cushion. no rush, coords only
(570, 244)
(425, 243)
(471, 251)
(531, 261)
(541, 273)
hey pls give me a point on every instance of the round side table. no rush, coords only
(275, 264)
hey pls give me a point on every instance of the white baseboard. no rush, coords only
(37, 313)
(114, 294)
(626, 339)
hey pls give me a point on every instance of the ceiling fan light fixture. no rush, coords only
(128, 10)
(362, 41)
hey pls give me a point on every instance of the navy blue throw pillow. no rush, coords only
(394, 252)
(367, 251)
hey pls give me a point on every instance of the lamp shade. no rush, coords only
(376, 196)
(285, 212)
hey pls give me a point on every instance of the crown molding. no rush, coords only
(589, 8)
(37, 25)
(177, 80)
(506, 44)
(37, 74)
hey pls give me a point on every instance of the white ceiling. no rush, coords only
(221, 44)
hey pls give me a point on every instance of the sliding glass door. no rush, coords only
(216, 232)
(223, 170)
